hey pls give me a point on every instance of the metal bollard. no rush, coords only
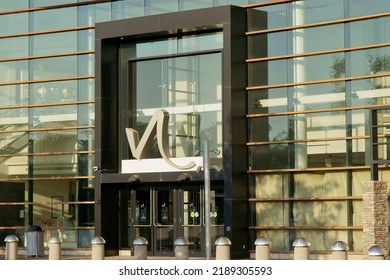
(54, 248)
(376, 253)
(11, 248)
(339, 250)
(262, 248)
(301, 249)
(181, 248)
(222, 248)
(98, 248)
(140, 248)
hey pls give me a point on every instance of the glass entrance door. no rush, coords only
(162, 214)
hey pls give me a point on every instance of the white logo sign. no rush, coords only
(157, 125)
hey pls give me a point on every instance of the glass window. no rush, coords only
(370, 91)
(192, 5)
(316, 39)
(53, 92)
(268, 101)
(64, 18)
(86, 114)
(265, 129)
(13, 71)
(269, 156)
(367, 32)
(43, 3)
(13, 5)
(127, 9)
(313, 68)
(14, 166)
(317, 96)
(267, 17)
(13, 95)
(268, 44)
(13, 119)
(54, 117)
(310, 11)
(86, 140)
(54, 165)
(62, 67)
(267, 72)
(86, 89)
(14, 23)
(189, 88)
(13, 143)
(200, 42)
(54, 43)
(372, 61)
(161, 6)
(365, 7)
(13, 47)
(86, 40)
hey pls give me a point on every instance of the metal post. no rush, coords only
(222, 245)
(54, 248)
(181, 248)
(339, 250)
(140, 245)
(11, 247)
(376, 253)
(301, 249)
(98, 248)
(262, 248)
(206, 169)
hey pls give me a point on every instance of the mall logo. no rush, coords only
(158, 125)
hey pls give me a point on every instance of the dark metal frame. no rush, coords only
(374, 143)
(110, 117)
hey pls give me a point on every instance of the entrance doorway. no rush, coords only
(162, 214)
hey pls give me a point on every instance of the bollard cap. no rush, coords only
(339, 246)
(54, 240)
(262, 241)
(300, 242)
(375, 251)
(11, 238)
(223, 241)
(98, 240)
(181, 241)
(140, 241)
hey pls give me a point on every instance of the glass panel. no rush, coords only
(86, 114)
(318, 96)
(43, 3)
(13, 119)
(164, 221)
(372, 61)
(269, 157)
(54, 117)
(13, 5)
(200, 43)
(365, 7)
(86, 89)
(53, 92)
(367, 32)
(161, 6)
(142, 217)
(127, 9)
(55, 165)
(14, 166)
(269, 44)
(272, 16)
(55, 141)
(88, 15)
(86, 40)
(13, 71)
(13, 143)
(268, 101)
(56, 67)
(13, 95)
(370, 91)
(14, 23)
(192, 5)
(267, 129)
(54, 43)
(64, 18)
(13, 47)
(310, 11)
(189, 88)
(192, 218)
(316, 38)
(267, 72)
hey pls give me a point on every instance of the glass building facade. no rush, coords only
(315, 68)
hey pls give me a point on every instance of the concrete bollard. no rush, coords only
(98, 248)
(339, 250)
(181, 249)
(140, 248)
(11, 247)
(262, 245)
(301, 249)
(376, 253)
(54, 244)
(222, 248)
